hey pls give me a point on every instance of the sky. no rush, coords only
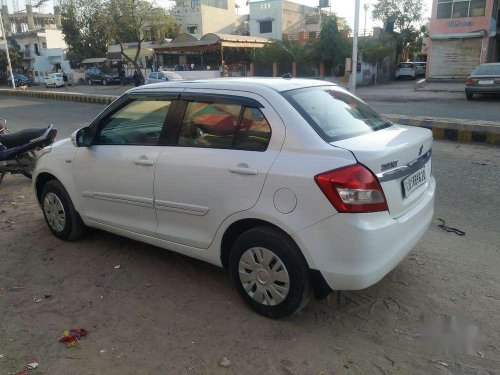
(343, 8)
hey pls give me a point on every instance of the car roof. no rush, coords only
(252, 84)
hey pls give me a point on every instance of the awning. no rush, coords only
(475, 34)
(94, 60)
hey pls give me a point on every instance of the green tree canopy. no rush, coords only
(82, 28)
(126, 21)
(407, 16)
(333, 47)
(16, 61)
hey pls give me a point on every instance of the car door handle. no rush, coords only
(144, 162)
(243, 169)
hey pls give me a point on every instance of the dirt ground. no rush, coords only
(163, 313)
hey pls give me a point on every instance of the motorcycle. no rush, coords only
(18, 150)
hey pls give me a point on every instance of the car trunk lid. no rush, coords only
(393, 154)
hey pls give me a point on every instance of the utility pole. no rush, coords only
(354, 69)
(366, 6)
(7, 53)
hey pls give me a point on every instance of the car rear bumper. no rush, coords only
(354, 251)
(494, 89)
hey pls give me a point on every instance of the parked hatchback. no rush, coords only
(485, 79)
(54, 80)
(19, 80)
(165, 76)
(406, 70)
(291, 185)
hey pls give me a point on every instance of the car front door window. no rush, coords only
(137, 123)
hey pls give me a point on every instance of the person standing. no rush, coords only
(137, 79)
(65, 80)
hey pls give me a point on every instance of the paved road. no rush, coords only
(400, 98)
(165, 313)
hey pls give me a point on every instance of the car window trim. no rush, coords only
(221, 99)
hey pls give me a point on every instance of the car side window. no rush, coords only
(254, 133)
(211, 125)
(139, 122)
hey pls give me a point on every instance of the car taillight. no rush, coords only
(352, 189)
(469, 82)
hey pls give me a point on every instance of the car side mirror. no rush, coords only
(82, 137)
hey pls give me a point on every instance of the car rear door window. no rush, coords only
(139, 122)
(254, 132)
(211, 125)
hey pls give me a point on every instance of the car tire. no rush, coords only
(469, 95)
(59, 213)
(278, 277)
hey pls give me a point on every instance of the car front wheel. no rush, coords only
(59, 213)
(469, 95)
(269, 272)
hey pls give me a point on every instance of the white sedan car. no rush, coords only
(294, 186)
(54, 80)
(164, 76)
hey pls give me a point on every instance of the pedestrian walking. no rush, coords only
(65, 79)
(137, 79)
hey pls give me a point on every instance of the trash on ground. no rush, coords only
(443, 364)
(37, 300)
(32, 365)
(147, 285)
(481, 354)
(23, 372)
(102, 351)
(446, 228)
(117, 267)
(224, 362)
(72, 336)
(1, 356)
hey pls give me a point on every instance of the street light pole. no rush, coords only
(7, 53)
(354, 69)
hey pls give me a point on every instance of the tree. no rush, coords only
(333, 47)
(375, 50)
(81, 22)
(406, 15)
(16, 60)
(128, 21)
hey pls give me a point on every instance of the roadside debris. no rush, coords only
(481, 354)
(117, 267)
(33, 364)
(450, 229)
(147, 285)
(72, 336)
(224, 362)
(37, 300)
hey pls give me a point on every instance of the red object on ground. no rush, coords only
(72, 336)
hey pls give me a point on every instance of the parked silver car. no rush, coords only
(485, 79)
(164, 76)
(420, 68)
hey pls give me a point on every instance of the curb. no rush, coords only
(67, 96)
(464, 131)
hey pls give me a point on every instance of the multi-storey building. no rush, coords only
(206, 16)
(283, 19)
(463, 34)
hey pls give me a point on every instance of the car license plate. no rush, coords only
(486, 82)
(413, 181)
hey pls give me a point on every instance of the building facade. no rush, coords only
(462, 35)
(283, 19)
(205, 16)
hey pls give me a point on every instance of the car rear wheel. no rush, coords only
(469, 95)
(59, 213)
(269, 272)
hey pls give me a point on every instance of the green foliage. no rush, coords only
(127, 21)
(406, 15)
(82, 29)
(333, 47)
(16, 60)
(375, 50)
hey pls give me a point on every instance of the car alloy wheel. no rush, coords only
(54, 212)
(264, 276)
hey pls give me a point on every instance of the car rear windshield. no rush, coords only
(405, 65)
(334, 113)
(487, 70)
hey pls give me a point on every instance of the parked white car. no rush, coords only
(164, 76)
(406, 70)
(420, 68)
(54, 80)
(292, 185)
